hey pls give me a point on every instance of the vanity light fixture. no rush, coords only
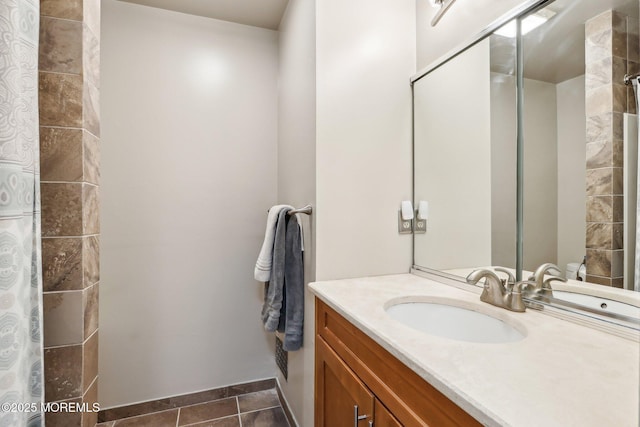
(443, 5)
(529, 23)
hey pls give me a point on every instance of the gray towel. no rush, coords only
(274, 291)
(294, 287)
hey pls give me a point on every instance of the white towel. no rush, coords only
(262, 272)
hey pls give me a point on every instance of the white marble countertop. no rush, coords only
(560, 374)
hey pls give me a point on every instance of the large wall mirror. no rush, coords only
(578, 147)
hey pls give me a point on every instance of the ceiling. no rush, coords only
(555, 51)
(257, 13)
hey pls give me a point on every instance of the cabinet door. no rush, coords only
(383, 418)
(339, 392)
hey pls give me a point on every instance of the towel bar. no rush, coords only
(307, 210)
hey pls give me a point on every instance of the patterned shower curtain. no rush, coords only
(21, 350)
(636, 282)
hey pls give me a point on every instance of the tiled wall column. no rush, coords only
(69, 146)
(608, 41)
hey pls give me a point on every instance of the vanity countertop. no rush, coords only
(561, 374)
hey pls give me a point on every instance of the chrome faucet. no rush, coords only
(537, 283)
(495, 291)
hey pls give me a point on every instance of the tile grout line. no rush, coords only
(207, 421)
(262, 409)
(178, 417)
(238, 406)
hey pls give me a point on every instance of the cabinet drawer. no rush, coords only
(411, 400)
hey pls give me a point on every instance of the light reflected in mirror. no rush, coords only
(578, 203)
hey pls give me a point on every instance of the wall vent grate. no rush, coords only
(282, 358)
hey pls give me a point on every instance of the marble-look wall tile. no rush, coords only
(90, 298)
(60, 313)
(605, 209)
(64, 378)
(633, 39)
(598, 280)
(617, 153)
(90, 209)
(617, 263)
(64, 419)
(618, 282)
(66, 9)
(90, 362)
(617, 235)
(597, 45)
(599, 154)
(91, 158)
(599, 209)
(91, 260)
(91, 12)
(599, 262)
(607, 98)
(60, 100)
(619, 42)
(91, 108)
(599, 181)
(599, 23)
(91, 57)
(61, 154)
(62, 261)
(618, 208)
(61, 209)
(599, 100)
(90, 418)
(617, 181)
(605, 127)
(69, 82)
(599, 235)
(604, 71)
(60, 45)
(619, 100)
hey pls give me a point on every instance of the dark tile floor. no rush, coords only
(254, 409)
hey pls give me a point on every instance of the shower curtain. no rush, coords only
(21, 349)
(636, 278)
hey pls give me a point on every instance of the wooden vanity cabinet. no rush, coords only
(353, 370)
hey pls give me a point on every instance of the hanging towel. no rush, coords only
(293, 286)
(262, 272)
(274, 292)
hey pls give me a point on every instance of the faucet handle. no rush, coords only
(490, 277)
(547, 283)
(523, 285)
(510, 281)
(545, 269)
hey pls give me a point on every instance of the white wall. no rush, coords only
(189, 114)
(540, 174)
(297, 177)
(503, 170)
(365, 56)
(461, 22)
(570, 96)
(453, 157)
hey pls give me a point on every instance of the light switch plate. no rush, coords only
(405, 226)
(419, 226)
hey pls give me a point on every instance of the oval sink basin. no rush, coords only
(453, 322)
(598, 303)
